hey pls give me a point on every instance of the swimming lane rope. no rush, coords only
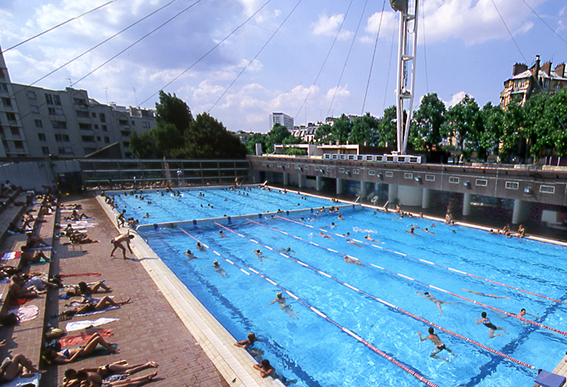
(435, 264)
(321, 314)
(392, 306)
(415, 280)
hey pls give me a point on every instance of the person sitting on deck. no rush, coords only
(35, 241)
(18, 291)
(71, 355)
(13, 366)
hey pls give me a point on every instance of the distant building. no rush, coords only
(36, 122)
(243, 136)
(281, 118)
(527, 81)
(306, 132)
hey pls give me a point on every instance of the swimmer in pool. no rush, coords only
(411, 231)
(352, 260)
(435, 300)
(523, 313)
(438, 344)
(491, 327)
(219, 269)
(368, 237)
(353, 242)
(325, 235)
(484, 294)
(200, 246)
(283, 305)
(190, 255)
(222, 234)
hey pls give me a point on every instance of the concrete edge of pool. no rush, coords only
(234, 363)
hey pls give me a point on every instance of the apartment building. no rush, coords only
(535, 79)
(37, 122)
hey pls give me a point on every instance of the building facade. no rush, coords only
(536, 79)
(281, 118)
(37, 122)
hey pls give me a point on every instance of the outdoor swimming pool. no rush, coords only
(343, 318)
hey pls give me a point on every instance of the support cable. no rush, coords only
(373, 56)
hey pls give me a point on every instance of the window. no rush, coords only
(62, 138)
(102, 117)
(429, 177)
(41, 137)
(94, 115)
(19, 145)
(512, 185)
(57, 99)
(341, 170)
(104, 128)
(481, 182)
(145, 124)
(79, 101)
(6, 102)
(58, 124)
(81, 114)
(45, 150)
(55, 111)
(1, 74)
(408, 175)
(49, 99)
(64, 150)
(548, 189)
(87, 138)
(15, 131)
(389, 174)
(126, 144)
(38, 123)
(31, 94)
(3, 87)
(96, 126)
(371, 172)
(106, 140)
(123, 122)
(98, 138)
(125, 133)
(34, 109)
(133, 123)
(454, 180)
(11, 116)
(85, 126)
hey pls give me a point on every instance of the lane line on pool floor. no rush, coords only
(398, 308)
(436, 264)
(423, 283)
(322, 315)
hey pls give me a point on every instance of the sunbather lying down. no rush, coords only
(71, 355)
(90, 306)
(13, 366)
(119, 370)
(85, 290)
(82, 378)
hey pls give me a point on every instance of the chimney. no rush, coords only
(536, 69)
(546, 68)
(560, 70)
(519, 68)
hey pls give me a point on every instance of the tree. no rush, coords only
(364, 130)
(322, 133)
(276, 136)
(173, 110)
(461, 122)
(253, 140)
(487, 140)
(387, 130)
(514, 120)
(427, 121)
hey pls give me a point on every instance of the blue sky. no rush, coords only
(464, 47)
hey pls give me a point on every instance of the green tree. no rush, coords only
(276, 136)
(514, 121)
(173, 110)
(364, 130)
(322, 134)
(492, 129)
(461, 122)
(387, 130)
(427, 121)
(253, 140)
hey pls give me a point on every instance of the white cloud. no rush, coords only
(386, 21)
(455, 99)
(329, 25)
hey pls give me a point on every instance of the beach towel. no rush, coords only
(81, 275)
(19, 301)
(78, 325)
(21, 382)
(11, 255)
(25, 313)
(84, 337)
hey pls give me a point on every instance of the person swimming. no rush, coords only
(437, 302)
(438, 344)
(219, 269)
(280, 299)
(491, 327)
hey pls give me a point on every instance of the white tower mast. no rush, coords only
(404, 93)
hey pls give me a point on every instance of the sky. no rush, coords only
(240, 60)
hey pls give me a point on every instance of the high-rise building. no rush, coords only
(281, 118)
(36, 122)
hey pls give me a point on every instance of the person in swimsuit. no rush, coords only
(284, 305)
(491, 327)
(13, 366)
(219, 269)
(438, 344)
(265, 368)
(122, 368)
(82, 378)
(523, 312)
(90, 306)
(71, 355)
(435, 300)
(86, 291)
(200, 246)
(117, 242)
(352, 260)
(484, 294)
(249, 342)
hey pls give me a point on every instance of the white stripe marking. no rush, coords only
(406, 277)
(350, 286)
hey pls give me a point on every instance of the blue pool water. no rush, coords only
(310, 347)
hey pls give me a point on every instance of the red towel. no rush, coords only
(80, 275)
(83, 337)
(19, 301)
